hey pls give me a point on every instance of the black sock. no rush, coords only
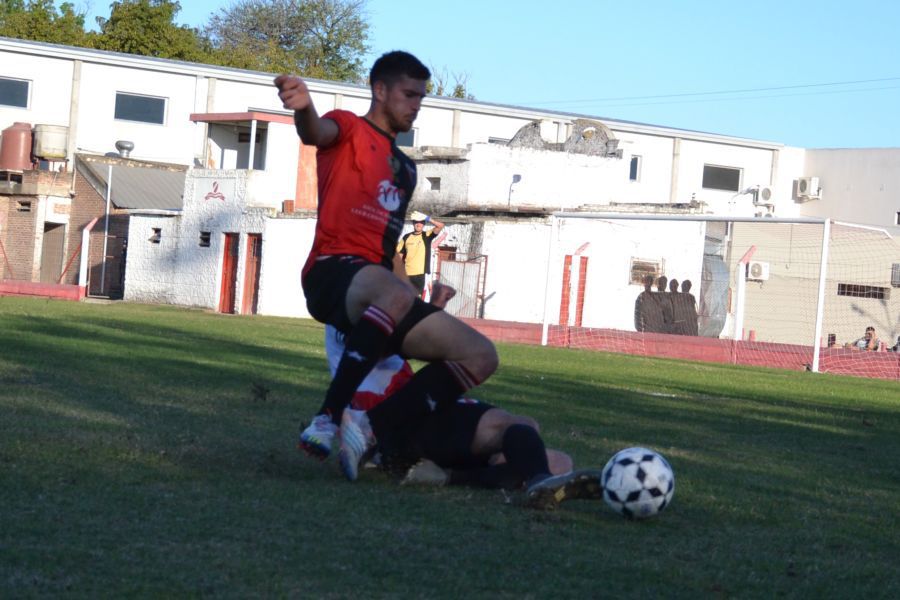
(432, 386)
(525, 452)
(363, 349)
(492, 476)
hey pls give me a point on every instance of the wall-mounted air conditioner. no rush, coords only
(757, 270)
(808, 188)
(764, 194)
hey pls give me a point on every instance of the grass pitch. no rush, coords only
(149, 451)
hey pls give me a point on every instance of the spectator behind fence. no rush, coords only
(869, 341)
(677, 323)
(664, 299)
(684, 309)
(896, 347)
(647, 314)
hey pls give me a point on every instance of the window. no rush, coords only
(498, 140)
(897, 219)
(156, 236)
(406, 138)
(863, 291)
(244, 137)
(634, 172)
(721, 178)
(145, 109)
(14, 92)
(204, 239)
(434, 183)
(641, 267)
(24, 206)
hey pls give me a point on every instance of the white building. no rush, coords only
(208, 254)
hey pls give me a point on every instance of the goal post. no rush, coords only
(793, 293)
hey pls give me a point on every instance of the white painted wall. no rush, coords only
(151, 268)
(286, 244)
(755, 164)
(517, 266)
(858, 185)
(49, 92)
(98, 130)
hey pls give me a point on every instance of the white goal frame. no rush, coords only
(553, 251)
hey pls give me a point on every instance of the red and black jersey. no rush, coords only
(365, 185)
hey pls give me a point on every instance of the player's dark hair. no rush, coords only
(393, 65)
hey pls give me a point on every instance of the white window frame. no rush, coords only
(637, 171)
(29, 85)
(165, 111)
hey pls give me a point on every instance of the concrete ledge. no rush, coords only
(10, 287)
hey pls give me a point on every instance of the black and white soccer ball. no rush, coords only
(638, 483)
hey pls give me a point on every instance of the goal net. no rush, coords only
(785, 293)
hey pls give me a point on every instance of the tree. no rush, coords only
(39, 20)
(440, 85)
(147, 27)
(324, 39)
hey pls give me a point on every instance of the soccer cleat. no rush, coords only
(547, 493)
(356, 441)
(425, 472)
(316, 439)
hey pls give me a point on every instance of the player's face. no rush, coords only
(418, 226)
(401, 102)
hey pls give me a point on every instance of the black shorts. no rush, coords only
(325, 287)
(446, 436)
(418, 282)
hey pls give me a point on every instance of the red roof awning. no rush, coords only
(242, 117)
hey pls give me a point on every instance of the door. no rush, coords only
(52, 252)
(250, 298)
(229, 273)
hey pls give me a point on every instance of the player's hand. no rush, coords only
(293, 92)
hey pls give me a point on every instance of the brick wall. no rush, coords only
(86, 205)
(18, 237)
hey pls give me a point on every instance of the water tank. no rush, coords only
(51, 141)
(15, 148)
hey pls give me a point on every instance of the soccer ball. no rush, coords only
(638, 483)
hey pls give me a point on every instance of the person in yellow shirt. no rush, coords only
(415, 249)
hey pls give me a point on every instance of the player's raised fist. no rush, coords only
(293, 92)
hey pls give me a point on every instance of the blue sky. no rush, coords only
(817, 74)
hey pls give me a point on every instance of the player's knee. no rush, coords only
(518, 435)
(482, 359)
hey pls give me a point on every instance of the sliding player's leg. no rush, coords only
(460, 359)
(365, 301)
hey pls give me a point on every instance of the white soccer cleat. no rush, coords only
(317, 438)
(356, 440)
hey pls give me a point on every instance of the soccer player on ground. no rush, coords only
(365, 185)
(469, 442)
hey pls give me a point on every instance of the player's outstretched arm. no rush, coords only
(312, 129)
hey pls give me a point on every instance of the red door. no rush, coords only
(229, 273)
(250, 298)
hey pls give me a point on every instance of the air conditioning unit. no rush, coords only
(808, 188)
(764, 194)
(757, 270)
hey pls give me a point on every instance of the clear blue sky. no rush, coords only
(826, 73)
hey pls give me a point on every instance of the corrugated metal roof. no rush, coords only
(142, 187)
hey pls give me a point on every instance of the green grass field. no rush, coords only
(138, 458)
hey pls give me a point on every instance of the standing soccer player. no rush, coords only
(365, 185)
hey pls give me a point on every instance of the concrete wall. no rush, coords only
(858, 185)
